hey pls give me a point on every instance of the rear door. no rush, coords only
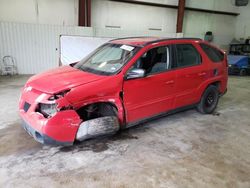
(191, 72)
(217, 64)
(153, 94)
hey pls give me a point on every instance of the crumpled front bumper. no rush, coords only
(43, 138)
(60, 129)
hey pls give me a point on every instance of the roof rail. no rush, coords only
(132, 37)
(168, 39)
(157, 40)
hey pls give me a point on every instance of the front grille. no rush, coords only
(26, 106)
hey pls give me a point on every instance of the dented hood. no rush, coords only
(60, 79)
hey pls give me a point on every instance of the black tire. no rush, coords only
(209, 100)
(243, 72)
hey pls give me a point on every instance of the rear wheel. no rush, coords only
(209, 100)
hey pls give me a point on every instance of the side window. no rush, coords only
(187, 55)
(154, 61)
(212, 53)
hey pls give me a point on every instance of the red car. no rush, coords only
(123, 83)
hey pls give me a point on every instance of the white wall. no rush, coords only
(56, 12)
(132, 17)
(223, 27)
(222, 5)
(35, 45)
(138, 19)
(75, 48)
(243, 23)
(142, 18)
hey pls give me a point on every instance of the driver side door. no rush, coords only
(152, 94)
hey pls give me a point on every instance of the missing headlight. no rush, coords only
(47, 110)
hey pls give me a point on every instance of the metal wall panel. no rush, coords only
(36, 47)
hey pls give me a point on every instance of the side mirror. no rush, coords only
(73, 64)
(135, 73)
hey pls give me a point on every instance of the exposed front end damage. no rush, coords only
(97, 127)
(48, 119)
(51, 119)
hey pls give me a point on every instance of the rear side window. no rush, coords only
(212, 53)
(187, 55)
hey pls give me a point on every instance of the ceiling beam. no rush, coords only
(176, 7)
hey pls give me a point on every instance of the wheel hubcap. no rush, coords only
(210, 99)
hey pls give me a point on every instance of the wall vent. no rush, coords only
(241, 2)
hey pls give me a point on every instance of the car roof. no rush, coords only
(143, 41)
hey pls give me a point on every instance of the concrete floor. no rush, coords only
(182, 150)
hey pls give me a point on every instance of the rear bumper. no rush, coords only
(42, 138)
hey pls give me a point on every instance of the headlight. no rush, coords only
(47, 110)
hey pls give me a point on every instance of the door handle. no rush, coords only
(202, 74)
(169, 82)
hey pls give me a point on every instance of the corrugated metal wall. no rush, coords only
(36, 47)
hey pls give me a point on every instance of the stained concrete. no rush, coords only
(182, 150)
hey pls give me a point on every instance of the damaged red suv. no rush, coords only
(122, 83)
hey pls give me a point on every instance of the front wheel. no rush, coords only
(209, 100)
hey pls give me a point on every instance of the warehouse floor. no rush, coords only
(183, 150)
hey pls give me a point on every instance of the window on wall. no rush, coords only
(187, 55)
(155, 60)
(212, 53)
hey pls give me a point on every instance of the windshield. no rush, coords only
(107, 59)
